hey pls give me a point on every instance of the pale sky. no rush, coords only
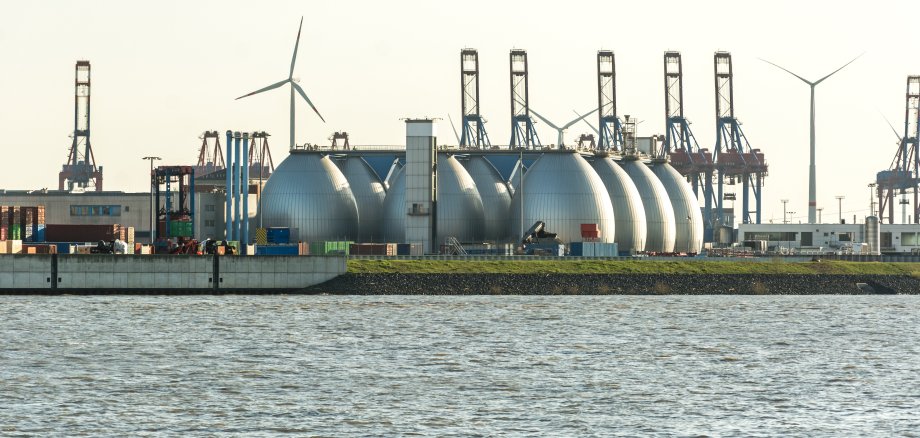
(164, 73)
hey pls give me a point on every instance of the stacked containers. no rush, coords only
(330, 248)
(39, 232)
(4, 223)
(15, 226)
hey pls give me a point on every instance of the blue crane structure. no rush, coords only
(610, 130)
(734, 158)
(523, 134)
(80, 170)
(474, 131)
(904, 174)
(680, 146)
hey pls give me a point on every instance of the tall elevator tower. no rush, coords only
(610, 127)
(904, 174)
(680, 145)
(80, 169)
(523, 133)
(735, 159)
(474, 129)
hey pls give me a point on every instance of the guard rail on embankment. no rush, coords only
(785, 258)
(102, 273)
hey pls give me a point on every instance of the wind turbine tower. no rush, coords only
(812, 189)
(294, 87)
(80, 169)
(523, 133)
(474, 129)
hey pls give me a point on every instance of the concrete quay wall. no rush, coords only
(92, 273)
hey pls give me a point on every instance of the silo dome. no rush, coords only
(562, 190)
(629, 214)
(369, 194)
(659, 214)
(496, 198)
(309, 194)
(459, 210)
(687, 216)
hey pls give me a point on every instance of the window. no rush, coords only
(127, 208)
(209, 207)
(95, 210)
(806, 238)
(774, 236)
(209, 223)
(909, 239)
(845, 237)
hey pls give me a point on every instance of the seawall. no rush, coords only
(617, 284)
(106, 273)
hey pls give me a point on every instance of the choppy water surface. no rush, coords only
(556, 366)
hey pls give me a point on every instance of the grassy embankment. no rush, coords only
(627, 267)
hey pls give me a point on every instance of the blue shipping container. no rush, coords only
(278, 235)
(576, 249)
(277, 250)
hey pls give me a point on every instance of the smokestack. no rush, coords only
(228, 215)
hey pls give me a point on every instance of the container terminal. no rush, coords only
(609, 194)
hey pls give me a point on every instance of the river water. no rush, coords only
(461, 366)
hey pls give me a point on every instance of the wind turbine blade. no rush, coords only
(270, 87)
(895, 131)
(454, 128)
(304, 95)
(544, 119)
(787, 71)
(580, 118)
(841, 68)
(296, 45)
(589, 124)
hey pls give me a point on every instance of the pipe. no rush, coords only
(236, 186)
(228, 167)
(245, 191)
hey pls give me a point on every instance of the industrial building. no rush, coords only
(832, 238)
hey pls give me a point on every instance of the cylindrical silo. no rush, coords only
(629, 214)
(496, 198)
(459, 211)
(873, 235)
(309, 194)
(659, 214)
(562, 190)
(369, 194)
(688, 219)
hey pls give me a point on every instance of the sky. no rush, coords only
(163, 72)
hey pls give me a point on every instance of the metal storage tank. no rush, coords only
(369, 194)
(309, 194)
(496, 197)
(629, 214)
(873, 235)
(688, 219)
(562, 189)
(459, 210)
(659, 214)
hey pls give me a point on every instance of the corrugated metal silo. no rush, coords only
(688, 219)
(309, 194)
(659, 214)
(496, 198)
(631, 226)
(369, 195)
(562, 189)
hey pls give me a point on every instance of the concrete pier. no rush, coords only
(83, 273)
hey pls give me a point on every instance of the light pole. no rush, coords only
(152, 213)
(819, 214)
(840, 208)
(784, 201)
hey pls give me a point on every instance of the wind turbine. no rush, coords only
(564, 127)
(812, 189)
(294, 86)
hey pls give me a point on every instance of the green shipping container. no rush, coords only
(330, 248)
(15, 232)
(180, 229)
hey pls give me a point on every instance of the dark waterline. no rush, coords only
(477, 365)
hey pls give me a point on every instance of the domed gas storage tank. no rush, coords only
(659, 214)
(309, 194)
(496, 198)
(459, 211)
(688, 219)
(562, 189)
(369, 195)
(629, 214)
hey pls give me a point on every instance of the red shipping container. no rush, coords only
(590, 234)
(590, 227)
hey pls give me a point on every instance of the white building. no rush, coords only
(830, 238)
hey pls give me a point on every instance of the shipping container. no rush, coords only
(278, 235)
(288, 249)
(79, 233)
(39, 249)
(330, 248)
(381, 249)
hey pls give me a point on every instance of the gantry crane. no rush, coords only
(904, 174)
(474, 129)
(523, 133)
(80, 170)
(734, 158)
